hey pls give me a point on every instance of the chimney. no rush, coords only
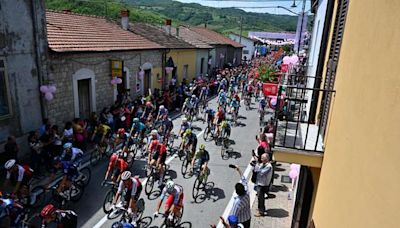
(168, 23)
(177, 31)
(125, 19)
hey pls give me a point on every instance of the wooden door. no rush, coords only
(84, 98)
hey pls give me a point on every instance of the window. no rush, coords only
(185, 71)
(5, 109)
(201, 65)
(245, 52)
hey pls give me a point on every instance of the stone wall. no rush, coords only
(23, 46)
(64, 65)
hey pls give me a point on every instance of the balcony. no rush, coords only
(298, 137)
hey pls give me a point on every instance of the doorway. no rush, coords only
(84, 98)
(304, 195)
(147, 81)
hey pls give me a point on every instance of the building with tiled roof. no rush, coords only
(249, 45)
(88, 54)
(69, 32)
(225, 51)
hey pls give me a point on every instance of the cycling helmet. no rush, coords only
(188, 131)
(123, 118)
(121, 131)
(154, 132)
(184, 120)
(136, 120)
(126, 175)
(122, 225)
(202, 147)
(48, 210)
(170, 185)
(262, 99)
(193, 96)
(162, 107)
(9, 164)
(233, 220)
(67, 145)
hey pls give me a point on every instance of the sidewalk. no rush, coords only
(279, 206)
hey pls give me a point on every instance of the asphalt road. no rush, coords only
(201, 212)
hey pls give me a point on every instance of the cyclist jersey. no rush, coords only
(66, 219)
(163, 112)
(20, 174)
(203, 156)
(168, 125)
(188, 105)
(162, 150)
(135, 184)
(153, 145)
(185, 126)
(235, 104)
(262, 104)
(190, 137)
(225, 124)
(122, 165)
(193, 102)
(220, 115)
(139, 127)
(204, 92)
(73, 156)
(210, 114)
(5, 207)
(175, 193)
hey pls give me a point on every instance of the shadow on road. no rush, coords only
(232, 154)
(185, 225)
(171, 174)
(277, 213)
(145, 222)
(279, 188)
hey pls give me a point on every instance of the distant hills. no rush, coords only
(223, 20)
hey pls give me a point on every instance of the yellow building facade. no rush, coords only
(185, 63)
(359, 186)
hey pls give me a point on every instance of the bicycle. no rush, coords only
(152, 175)
(119, 210)
(201, 179)
(74, 193)
(209, 131)
(109, 197)
(172, 220)
(261, 117)
(187, 159)
(224, 143)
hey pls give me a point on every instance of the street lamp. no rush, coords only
(294, 4)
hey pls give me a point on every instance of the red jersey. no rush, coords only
(161, 149)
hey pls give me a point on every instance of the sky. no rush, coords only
(271, 4)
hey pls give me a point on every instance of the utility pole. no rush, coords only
(301, 26)
(241, 28)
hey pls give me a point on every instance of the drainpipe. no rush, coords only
(38, 62)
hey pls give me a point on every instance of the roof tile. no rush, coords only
(216, 38)
(68, 32)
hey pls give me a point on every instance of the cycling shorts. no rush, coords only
(170, 201)
(163, 157)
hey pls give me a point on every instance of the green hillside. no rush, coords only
(155, 11)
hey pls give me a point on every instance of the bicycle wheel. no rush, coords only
(185, 164)
(177, 220)
(86, 175)
(150, 183)
(38, 196)
(114, 214)
(140, 206)
(206, 133)
(76, 191)
(94, 157)
(196, 187)
(108, 201)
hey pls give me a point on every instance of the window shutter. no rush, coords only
(333, 60)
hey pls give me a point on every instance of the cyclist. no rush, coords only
(70, 173)
(158, 159)
(194, 105)
(63, 218)
(204, 94)
(261, 105)
(189, 140)
(122, 225)
(22, 175)
(201, 158)
(235, 104)
(184, 126)
(219, 117)
(99, 135)
(174, 201)
(162, 113)
(210, 116)
(122, 137)
(71, 154)
(186, 107)
(226, 129)
(222, 98)
(138, 129)
(9, 211)
(116, 166)
(148, 110)
(166, 128)
(134, 188)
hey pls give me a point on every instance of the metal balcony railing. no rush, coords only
(294, 125)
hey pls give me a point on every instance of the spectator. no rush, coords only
(264, 177)
(79, 137)
(47, 145)
(241, 205)
(57, 142)
(68, 133)
(11, 149)
(42, 129)
(35, 148)
(233, 222)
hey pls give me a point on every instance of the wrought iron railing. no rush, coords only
(295, 127)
